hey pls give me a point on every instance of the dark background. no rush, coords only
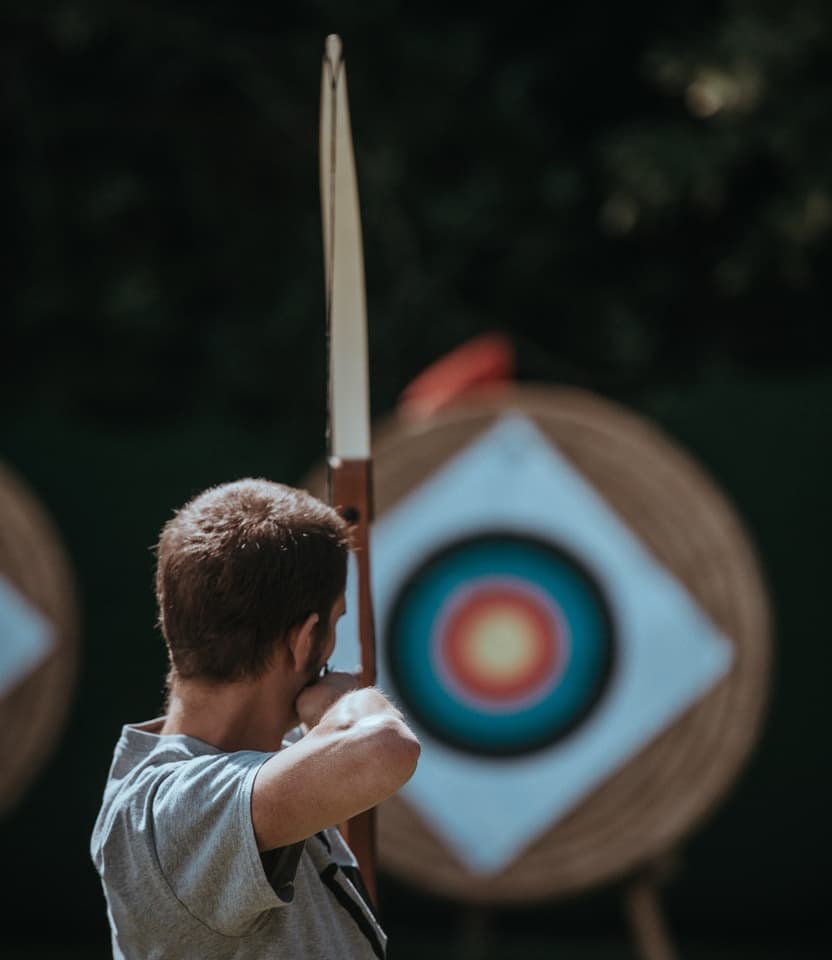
(639, 195)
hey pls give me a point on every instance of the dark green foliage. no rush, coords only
(638, 193)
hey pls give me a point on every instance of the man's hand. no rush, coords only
(314, 701)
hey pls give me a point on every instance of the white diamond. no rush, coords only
(669, 652)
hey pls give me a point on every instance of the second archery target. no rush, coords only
(38, 636)
(500, 644)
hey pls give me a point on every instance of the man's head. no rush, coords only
(238, 568)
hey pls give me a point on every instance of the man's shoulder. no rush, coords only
(142, 762)
(170, 793)
(149, 769)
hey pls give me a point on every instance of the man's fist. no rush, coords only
(314, 701)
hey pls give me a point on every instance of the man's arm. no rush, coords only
(358, 752)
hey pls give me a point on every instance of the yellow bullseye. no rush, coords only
(501, 645)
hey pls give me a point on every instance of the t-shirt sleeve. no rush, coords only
(206, 847)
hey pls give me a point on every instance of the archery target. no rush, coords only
(500, 644)
(487, 515)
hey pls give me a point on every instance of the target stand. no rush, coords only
(572, 617)
(38, 624)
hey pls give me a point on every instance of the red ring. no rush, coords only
(460, 636)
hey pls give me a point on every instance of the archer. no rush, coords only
(217, 833)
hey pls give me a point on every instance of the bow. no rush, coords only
(349, 464)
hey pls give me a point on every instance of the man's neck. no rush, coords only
(243, 715)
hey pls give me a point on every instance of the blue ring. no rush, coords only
(417, 610)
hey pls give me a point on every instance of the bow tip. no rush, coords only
(333, 48)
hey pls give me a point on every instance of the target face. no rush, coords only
(500, 644)
(525, 630)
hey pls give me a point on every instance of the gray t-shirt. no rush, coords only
(175, 848)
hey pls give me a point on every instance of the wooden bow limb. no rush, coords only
(349, 463)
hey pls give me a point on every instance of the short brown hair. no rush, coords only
(238, 567)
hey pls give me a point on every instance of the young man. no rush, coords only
(216, 836)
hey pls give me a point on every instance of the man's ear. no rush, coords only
(300, 642)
